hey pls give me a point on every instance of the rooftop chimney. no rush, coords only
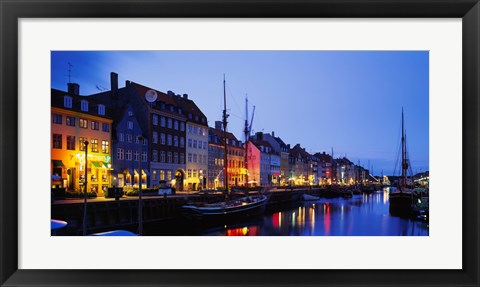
(74, 89)
(218, 125)
(170, 93)
(185, 96)
(127, 83)
(273, 134)
(114, 83)
(259, 136)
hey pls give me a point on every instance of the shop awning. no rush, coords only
(145, 172)
(97, 164)
(57, 163)
(106, 166)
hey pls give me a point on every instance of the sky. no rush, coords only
(348, 101)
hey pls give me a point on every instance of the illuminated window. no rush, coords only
(169, 175)
(83, 123)
(94, 125)
(81, 143)
(189, 173)
(105, 147)
(162, 175)
(94, 145)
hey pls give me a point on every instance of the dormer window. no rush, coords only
(67, 102)
(84, 106)
(101, 110)
(196, 118)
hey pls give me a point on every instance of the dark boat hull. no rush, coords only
(224, 214)
(401, 204)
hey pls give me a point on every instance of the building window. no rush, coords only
(84, 106)
(182, 158)
(175, 125)
(190, 129)
(57, 141)
(57, 119)
(182, 126)
(189, 143)
(83, 123)
(175, 157)
(67, 102)
(195, 130)
(182, 142)
(70, 121)
(101, 110)
(155, 137)
(194, 173)
(169, 123)
(169, 140)
(145, 141)
(194, 143)
(169, 157)
(162, 175)
(128, 154)
(105, 127)
(154, 120)
(130, 125)
(194, 157)
(190, 116)
(121, 137)
(162, 138)
(144, 156)
(129, 138)
(175, 141)
(81, 143)
(189, 157)
(135, 155)
(120, 154)
(162, 156)
(71, 142)
(94, 125)
(205, 145)
(204, 159)
(189, 173)
(169, 175)
(162, 122)
(155, 155)
(105, 147)
(94, 145)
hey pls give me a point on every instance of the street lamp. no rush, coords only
(85, 189)
(140, 211)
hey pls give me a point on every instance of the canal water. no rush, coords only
(361, 215)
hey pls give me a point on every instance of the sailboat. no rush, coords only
(403, 199)
(230, 208)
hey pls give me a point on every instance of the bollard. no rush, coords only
(117, 194)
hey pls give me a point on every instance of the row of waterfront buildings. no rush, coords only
(137, 134)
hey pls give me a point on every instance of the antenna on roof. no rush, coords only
(70, 72)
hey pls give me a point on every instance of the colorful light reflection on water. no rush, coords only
(361, 215)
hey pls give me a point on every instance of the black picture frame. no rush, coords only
(11, 11)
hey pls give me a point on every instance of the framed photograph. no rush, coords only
(308, 197)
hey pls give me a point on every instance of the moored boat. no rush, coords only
(236, 208)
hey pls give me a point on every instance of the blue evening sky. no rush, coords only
(350, 101)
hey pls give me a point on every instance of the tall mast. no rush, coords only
(247, 134)
(404, 160)
(225, 162)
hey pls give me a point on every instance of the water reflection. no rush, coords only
(361, 215)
